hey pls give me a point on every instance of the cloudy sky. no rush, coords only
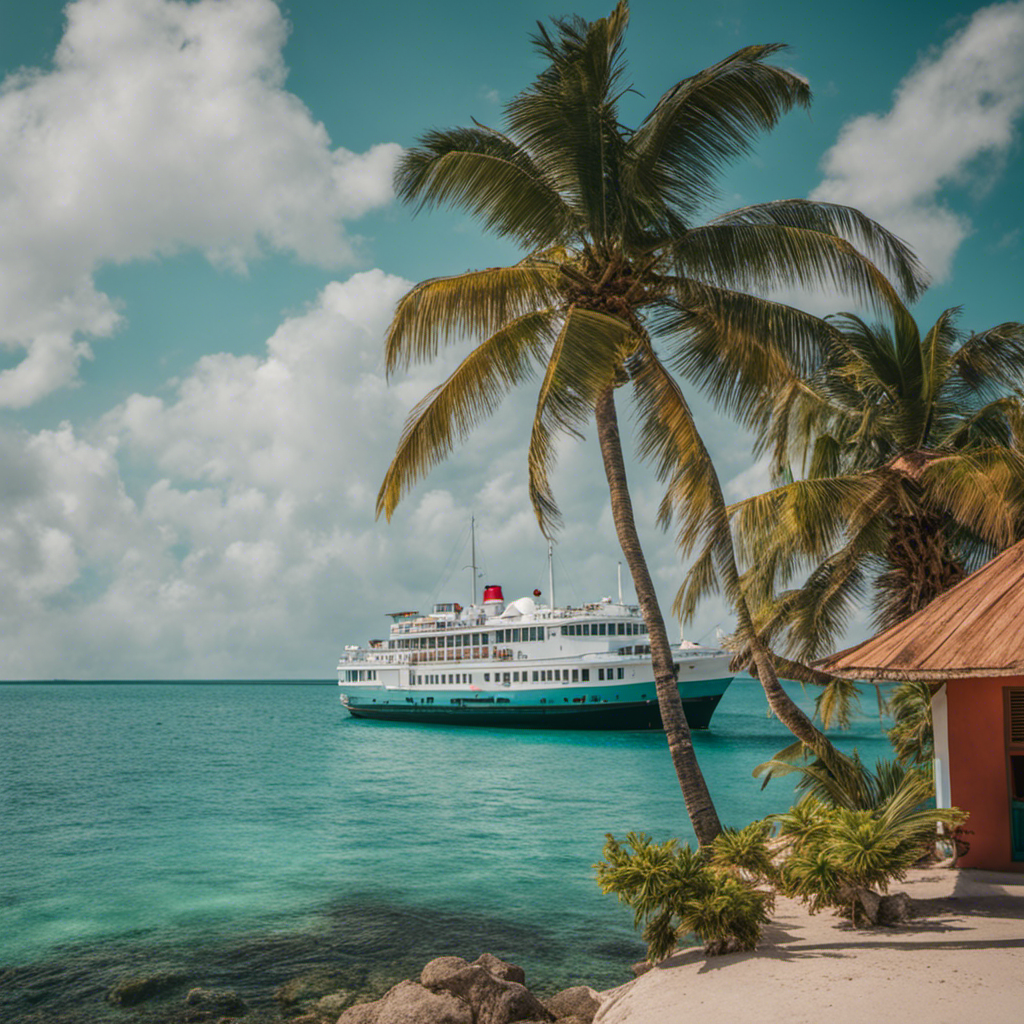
(200, 252)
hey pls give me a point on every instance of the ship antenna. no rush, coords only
(472, 552)
(620, 583)
(551, 572)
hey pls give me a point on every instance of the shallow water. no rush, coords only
(239, 835)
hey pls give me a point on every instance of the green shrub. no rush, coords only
(744, 850)
(674, 890)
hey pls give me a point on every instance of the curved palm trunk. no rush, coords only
(783, 706)
(699, 806)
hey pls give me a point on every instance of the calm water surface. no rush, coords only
(243, 834)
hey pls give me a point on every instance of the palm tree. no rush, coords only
(606, 215)
(913, 454)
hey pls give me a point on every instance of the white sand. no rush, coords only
(960, 960)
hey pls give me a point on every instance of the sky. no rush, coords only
(200, 252)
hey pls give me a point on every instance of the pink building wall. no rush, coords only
(978, 768)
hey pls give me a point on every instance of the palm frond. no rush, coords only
(586, 359)
(704, 122)
(771, 256)
(475, 304)
(893, 256)
(739, 349)
(569, 115)
(481, 171)
(992, 361)
(472, 392)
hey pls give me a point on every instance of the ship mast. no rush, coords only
(472, 553)
(551, 573)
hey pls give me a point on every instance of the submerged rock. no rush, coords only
(206, 1003)
(331, 1006)
(132, 991)
(307, 988)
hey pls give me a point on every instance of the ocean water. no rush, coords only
(240, 835)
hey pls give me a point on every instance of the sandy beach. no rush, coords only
(961, 958)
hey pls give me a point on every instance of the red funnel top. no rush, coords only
(493, 593)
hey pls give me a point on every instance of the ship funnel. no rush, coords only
(494, 600)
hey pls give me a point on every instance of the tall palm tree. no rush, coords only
(912, 450)
(606, 214)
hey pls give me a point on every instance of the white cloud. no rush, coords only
(229, 530)
(953, 120)
(163, 126)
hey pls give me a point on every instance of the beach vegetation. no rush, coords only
(615, 253)
(855, 831)
(675, 891)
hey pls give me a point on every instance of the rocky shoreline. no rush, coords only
(449, 990)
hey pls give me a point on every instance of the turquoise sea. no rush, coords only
(239, 835)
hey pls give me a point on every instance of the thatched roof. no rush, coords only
(974, 630)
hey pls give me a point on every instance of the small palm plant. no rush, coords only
(855, 832)
(675, 891)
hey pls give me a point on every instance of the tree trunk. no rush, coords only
(921, 566)
(699, 806)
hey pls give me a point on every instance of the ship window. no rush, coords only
(483, 638)
(535, 677)
(586, 629)
(600, 674)
(621, 628)
(550, 675)
(430, 700)
(507, 678)
(621, 674)
(564, 631)
(575, 675)
(487, 677)
(585, 675)
(603, 629)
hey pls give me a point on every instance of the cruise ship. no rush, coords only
(525, 665)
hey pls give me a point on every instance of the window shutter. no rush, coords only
(1015, 712)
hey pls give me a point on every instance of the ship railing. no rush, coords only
(369, 654)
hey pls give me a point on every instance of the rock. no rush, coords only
(501, 968)
(360, 1013)
(494, 1000)
(864, 904)
(132, 991)
(895, 909)
(305, 988)
(207, 1003)
(579, 1001)
(433, 975)
(409, 1003)
(641, 967)
(330, 1007)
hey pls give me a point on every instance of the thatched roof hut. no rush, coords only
(974, 630)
